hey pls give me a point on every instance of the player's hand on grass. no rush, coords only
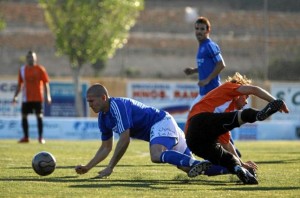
(250, 164)
(80, 169)
(105, 172)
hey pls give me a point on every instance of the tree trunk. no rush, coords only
(77, 91)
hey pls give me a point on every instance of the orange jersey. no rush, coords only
(217, 100)
(33, 79)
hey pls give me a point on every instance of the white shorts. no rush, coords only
(168, 127)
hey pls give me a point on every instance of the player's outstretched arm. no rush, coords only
(121, 148)
(101, 154)
(261, 93)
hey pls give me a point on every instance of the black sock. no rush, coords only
(249, 115)
(25, 127)
(40, 126)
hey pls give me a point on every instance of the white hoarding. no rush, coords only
(173, 97)
(54, 128)
(290, 93)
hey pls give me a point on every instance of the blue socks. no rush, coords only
(178, 159)
(216, 170)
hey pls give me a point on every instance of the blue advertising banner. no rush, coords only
(7, 92)
(63, 100)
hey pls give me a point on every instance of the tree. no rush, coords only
(89, 31)
(2, 23)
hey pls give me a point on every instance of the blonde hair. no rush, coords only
(239, 79)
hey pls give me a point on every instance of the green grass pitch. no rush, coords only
(136, 176)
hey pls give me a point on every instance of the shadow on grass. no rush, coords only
(135, 181)
(148, 183)
(44, 179)
(158, 184)
(72, 167)
(255, 188)
(279, 161)
(111, 183)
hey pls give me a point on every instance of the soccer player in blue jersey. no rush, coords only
(132, 119)
(209, 60)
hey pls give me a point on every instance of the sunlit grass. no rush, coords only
(136, 176)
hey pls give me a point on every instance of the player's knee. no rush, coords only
(155, 158)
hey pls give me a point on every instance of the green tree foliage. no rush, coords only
(89, 31)
(2, 23)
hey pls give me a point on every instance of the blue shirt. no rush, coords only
(209, 54)
(126, 113)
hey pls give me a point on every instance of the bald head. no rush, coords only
(98, 99)
(97, 90)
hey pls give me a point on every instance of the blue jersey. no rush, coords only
(209, 54)
(126, 113)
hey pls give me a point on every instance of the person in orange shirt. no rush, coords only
(211, 119)
(33, 79)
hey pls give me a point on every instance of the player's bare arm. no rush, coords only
(101, 154)
(15, 98)
(120, 149)
(219, 67)
(257, 91)
(261, 93)
(230, 148)
(48, 95)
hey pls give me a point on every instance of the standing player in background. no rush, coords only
(211, 119)
(33, 79)
(132, 119)
(209, 60)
